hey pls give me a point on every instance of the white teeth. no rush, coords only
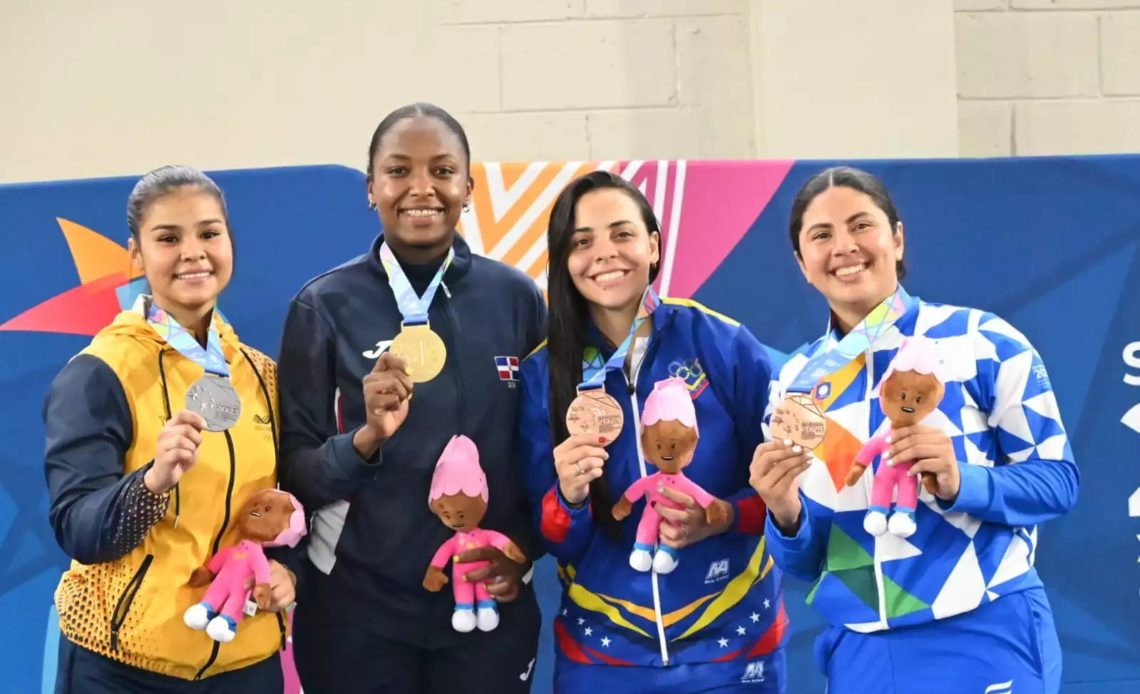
(607, 276)
(192, 275)
(421, 213)
(848, 271)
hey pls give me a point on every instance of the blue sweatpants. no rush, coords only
(1009, 645)
(764, 675)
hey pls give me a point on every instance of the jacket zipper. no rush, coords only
(218, 539)
(123, 606)
(631, 382)
(868, 486)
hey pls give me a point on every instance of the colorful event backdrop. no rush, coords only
(1050, 244)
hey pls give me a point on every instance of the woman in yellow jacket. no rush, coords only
(144, 490)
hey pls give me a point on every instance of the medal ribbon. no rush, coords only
(594, 372)
(853, 344)
(413, 308)
(827, 375)
(209, 357)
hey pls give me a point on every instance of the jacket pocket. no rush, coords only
(123, 606)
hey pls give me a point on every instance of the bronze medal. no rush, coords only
(422, 350)
(798, 418)
(595, 412)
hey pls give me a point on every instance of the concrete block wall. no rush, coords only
(118, 88)
(1039, 77)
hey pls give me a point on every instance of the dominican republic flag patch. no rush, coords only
(508, 368)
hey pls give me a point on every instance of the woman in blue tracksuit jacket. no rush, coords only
(717, 620)
(956, 606)
(360, 441)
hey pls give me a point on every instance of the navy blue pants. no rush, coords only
(335, 656)
(1009, 645)
(85, 672)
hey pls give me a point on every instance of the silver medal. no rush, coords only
(215, 399)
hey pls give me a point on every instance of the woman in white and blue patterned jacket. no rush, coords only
(958, 605)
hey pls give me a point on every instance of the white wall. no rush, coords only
(118, 87)
(1048, 76)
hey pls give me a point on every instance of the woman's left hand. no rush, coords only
(282, 586)
(690, 523)
(933, 455)
(502, 575)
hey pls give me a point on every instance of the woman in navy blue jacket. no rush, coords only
(360, 450)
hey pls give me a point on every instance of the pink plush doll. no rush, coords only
(668, 439)
(458, 496)
(910, 391)
(271, 518)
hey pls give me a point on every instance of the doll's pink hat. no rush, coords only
(670, 401)
(458, 470)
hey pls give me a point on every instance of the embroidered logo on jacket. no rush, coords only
(692, 373)
(508, 369)
(753, 672)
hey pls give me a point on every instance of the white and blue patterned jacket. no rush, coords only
(1017, 470)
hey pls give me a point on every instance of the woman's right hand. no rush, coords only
(176, 451)
(387, 392)
(578, 461)
(775, 475)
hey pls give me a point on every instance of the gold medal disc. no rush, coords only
(422, 349)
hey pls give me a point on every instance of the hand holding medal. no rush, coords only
(387, 392)
(175, 452)
(578, 461)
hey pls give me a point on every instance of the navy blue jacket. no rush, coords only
(373, 534)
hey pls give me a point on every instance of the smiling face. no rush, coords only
(184, 248)
(849, 252)
(611, 251)
(419, 183)
(459, 511)
(669, 445)
(907, 397)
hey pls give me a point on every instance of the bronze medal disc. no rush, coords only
(798, 418)
(595, 412)
(422, 349)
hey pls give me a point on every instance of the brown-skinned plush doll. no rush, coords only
(459, 496)
(271, 518)
(910, 391)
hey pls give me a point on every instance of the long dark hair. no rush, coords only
(569, 315)
(848, 177)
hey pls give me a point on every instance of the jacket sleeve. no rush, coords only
(751, 369)
(98, 513)
(318, 464)
(522, 530)
(1034, 477)
(565, 530)
(802, 554)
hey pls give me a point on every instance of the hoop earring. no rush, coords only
(466, 207)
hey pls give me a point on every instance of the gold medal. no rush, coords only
(422, 350)
(798, 418)
(595, 412)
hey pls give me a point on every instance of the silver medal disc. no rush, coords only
(216, 401)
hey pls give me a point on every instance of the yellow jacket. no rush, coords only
(102, 419)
